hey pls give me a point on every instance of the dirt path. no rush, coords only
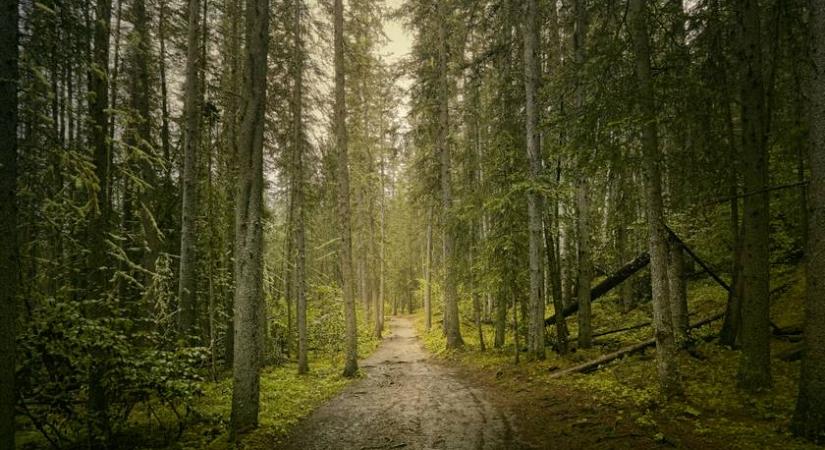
(405, 401)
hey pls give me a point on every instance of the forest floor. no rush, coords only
(619, 406)
(406, 399)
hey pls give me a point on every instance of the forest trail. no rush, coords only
(406, 400)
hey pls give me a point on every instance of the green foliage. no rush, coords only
(65, 352)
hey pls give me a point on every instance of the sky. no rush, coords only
(397, 47)
(399, 40)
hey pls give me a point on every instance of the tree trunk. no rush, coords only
(657, 234)
(501, 320)
(351, 364)
(298, 189)
(379, 306)
(142, 105)
(535, 326)
(9, 263)
(809, 417)
(191, 134)
(428, 313)
(585, 266)
(678, 292)
(555, 283)
(99, 225)
(755, 361)
(248, 223)
(452, 327)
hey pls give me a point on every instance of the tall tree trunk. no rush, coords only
(553, 265)
(99, 225)
(809, 417)
(141, 103)
(98, 105)
(452, 326)
(9, 264)
(501, 320)
(678, 292)
(351, 364)
(585, 265)
(298, 189)
(192, 127)
(585, 259)
(535, 333)
(248, 222)
(755, 361)
(379, 306)
(657, 234)
(428, 288)
(165, 140)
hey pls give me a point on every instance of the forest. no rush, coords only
(421, 224)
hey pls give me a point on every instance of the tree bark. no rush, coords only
(9, 262)
(755, 360)
(345, 253)
(535, 325)
(585, 266)
(451, 320)
(191, 135)
(678, 292)
(428, 313)
(809, 416)
(248, 223)
(657, 233)
(298, 188)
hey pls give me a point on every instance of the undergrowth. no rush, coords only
(712, 408)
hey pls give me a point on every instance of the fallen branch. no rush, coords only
(635, 348)
(607, 284)
(620, 330)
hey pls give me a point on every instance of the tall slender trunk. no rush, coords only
(554, 269)
(9, 264)
(298, 189)
(585, 259)
(379, 306)
(452, 326)
(248, 222)
(99, 225)
(809, 417)
(755, 361)
(535, 334)
(678, 292)
(428, 313)
(657, 234)
(192, 130)
(585, 266)
(166, 145)
(345, 253)
(141, 103)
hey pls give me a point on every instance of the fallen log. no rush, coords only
(635, 348)
(698, 260)
(621, 330)
(792, 354)
(607, 284)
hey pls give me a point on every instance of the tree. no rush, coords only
(191, 147)
(345, 250)
(9, 262)
(248, 222)
(657, 233)
(298, 190)
(755, 361)
(451, 320)
(535, 341)
(809, 417)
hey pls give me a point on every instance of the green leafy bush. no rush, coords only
(66, 356)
